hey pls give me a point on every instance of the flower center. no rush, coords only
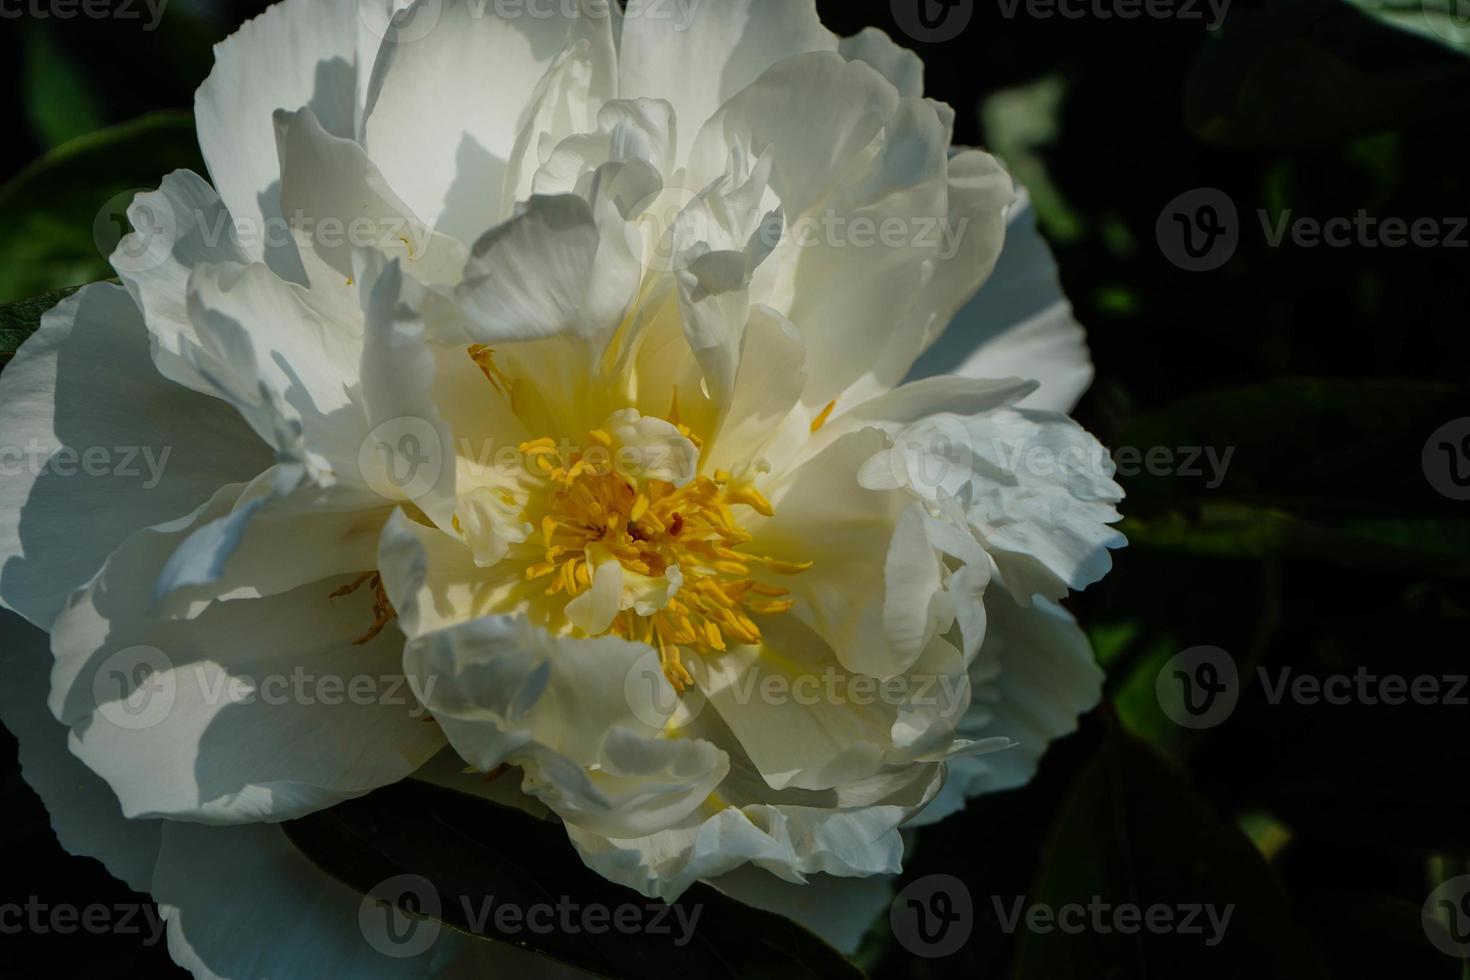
(684, 579)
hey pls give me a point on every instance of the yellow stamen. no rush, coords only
(823, 416)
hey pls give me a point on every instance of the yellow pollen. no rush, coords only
(649, 526)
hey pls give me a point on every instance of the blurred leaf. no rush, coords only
(20, 319)
(1239, 531)
(60, 104)
(1136, 833)
(1445, 22)
(1370, 936)
(1296, 74)
(1310, 447)
(1020, 121)
(474, 852)
(61, 217)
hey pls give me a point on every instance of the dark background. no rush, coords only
(1326, 549)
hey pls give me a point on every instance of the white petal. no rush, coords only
(185, 224)
(257, 709)
(789, 835)
(398, 376)
(84, 812)
(647, 448)
(1033, 678)
(570, 713)
(283, 367)
(84, 381)
(699, 55)
(244, 902)
(1020, 324)
(899, 65)
(828, 518)
(444, 107)
(768, 384)
(528, 279)
(269, 542)
(594, 610)
(981, 217)
(816, 113)
(338, 201)
(297, 53)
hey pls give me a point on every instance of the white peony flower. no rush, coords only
(557, 366)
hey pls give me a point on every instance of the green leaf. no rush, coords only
(474, 852)
(1137, 834)
(1228, 530)
(62, 216)
(60, 104)
(20, 319)
(1291, 75)
(1445, 22)
(1306, 445)
(1020, 123)
(1105, 818)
